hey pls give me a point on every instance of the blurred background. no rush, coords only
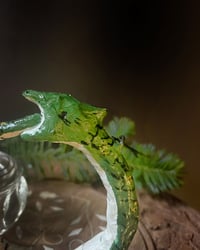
(138, 59)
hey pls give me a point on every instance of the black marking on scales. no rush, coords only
(104, 137)
(63, 117)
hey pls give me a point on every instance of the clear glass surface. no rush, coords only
(13, 192)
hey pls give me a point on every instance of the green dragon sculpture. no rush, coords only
(64, 119)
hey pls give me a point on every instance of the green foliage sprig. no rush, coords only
(154, 170)
(41, 160)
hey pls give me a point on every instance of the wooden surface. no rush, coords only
(61, 215)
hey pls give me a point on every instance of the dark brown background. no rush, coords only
(138, 59)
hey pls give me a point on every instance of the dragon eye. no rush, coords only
(63, 115)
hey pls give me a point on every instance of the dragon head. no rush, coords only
(62, 118)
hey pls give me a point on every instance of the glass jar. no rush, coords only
(13, 192)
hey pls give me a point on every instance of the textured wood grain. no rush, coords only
(61, 215)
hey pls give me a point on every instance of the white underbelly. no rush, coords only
(103, 240)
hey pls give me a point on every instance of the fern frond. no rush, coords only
(155, 170)
(48, 160)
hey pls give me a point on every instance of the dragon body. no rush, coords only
(63, 119)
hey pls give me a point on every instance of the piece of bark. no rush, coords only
(61, 215)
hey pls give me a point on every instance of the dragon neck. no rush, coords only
(122, 206)
(105, 155)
